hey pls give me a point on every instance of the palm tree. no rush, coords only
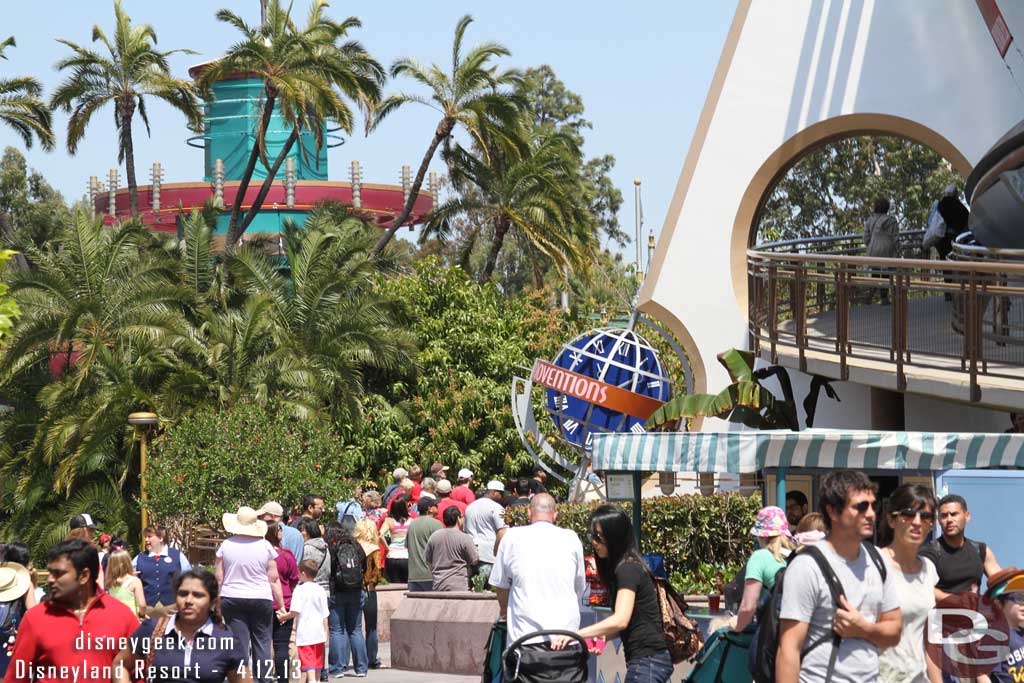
(99, 309)
(22, 109)
(329, 327)
(535, 195)
(303, 71)
(471, 96)
(131, 70)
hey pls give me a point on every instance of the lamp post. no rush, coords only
(142, 422)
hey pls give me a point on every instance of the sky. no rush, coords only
(642, 71)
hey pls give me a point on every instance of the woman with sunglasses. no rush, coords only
(911, 514)
(636, 615)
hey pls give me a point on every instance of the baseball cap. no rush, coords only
(444, 486)
(400, 473)
(437, 468)
(465, 474)
(82, 521)
(495, 485)
(271, 508)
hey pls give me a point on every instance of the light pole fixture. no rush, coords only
(142, 423)
(639, 226)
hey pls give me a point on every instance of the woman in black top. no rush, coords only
(636, 615)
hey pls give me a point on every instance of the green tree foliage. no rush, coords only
(305, 71)
(486, 176)
(9, 310)
(473, 96)
(830, 190)
(472, 341)
(22, 108)
(31, 211)
(553, 108)
(531, 194)
(131, 70)
(126, 323)
(217, 459)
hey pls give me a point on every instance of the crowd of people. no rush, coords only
(876, 628)
(300, 591)
(285, 591)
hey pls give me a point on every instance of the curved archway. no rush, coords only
(693, 355)
(744, 227)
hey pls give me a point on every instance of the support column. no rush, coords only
(356, 175)
(114, 178)
(888, 412)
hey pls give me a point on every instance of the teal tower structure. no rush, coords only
(232, 116)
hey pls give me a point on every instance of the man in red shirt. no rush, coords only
(77, 632)
(464, 491)
(445, 499)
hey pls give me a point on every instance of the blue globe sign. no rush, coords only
(605, 380)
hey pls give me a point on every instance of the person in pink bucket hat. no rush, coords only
(771, 528)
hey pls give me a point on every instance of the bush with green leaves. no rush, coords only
(215, 460)
(456, 410)
(704, 539)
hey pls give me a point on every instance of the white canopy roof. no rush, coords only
(751, 451)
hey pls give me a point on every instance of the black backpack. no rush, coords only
(349, 561)
(766, 637)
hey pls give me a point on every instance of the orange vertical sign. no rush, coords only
(996, 25)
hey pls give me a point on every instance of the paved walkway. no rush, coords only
(399, 676)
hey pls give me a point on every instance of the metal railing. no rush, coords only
(908, 245)
(818, 295)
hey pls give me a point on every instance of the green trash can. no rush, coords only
(495, 649)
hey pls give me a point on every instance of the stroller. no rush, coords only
(536, 663)
(723, 659)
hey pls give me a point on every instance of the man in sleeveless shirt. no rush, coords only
(960, 561)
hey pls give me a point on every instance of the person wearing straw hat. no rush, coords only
(250, 587)
(771, 529)
(15, 590)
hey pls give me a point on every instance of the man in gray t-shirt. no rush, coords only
(869, 617)
(451, 554)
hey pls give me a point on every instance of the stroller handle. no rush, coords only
(511, 657)
(540, 634)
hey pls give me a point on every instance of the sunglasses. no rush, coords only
(910, 513)
(862, 506)
(596, 537)
(1014, 597)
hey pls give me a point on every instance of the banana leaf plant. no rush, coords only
(746, 400)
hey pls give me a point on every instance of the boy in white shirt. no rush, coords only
(309, 609)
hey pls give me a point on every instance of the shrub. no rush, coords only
(705, 539)
(215, 460)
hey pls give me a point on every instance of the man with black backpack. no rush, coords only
(837, 605)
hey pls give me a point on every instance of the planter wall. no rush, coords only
(442, 631)
(389, 597)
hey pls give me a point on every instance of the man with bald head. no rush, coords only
(539, 573)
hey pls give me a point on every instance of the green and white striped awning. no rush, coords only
(752, 451)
